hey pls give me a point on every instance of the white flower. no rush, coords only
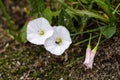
(59, 41)
(38, 30)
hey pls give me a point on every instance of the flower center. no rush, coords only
(58, 41)
(42, 33)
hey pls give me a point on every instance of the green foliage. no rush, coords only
(104, 6)
(11, 28)
(108, 31)
(6, 15)
(71, 0)
(107, 8)
(110, 22)
(84, 1)
(22, 35)
(84, 21)
(37, 6)
(75, 15)
(66, 20)
(56, 13)
(48, 14)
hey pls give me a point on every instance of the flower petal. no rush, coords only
(33, 31)
(87, 56)
(92, 56)
(63, 32)
(51, 46)
(58, 49)
(66, 44)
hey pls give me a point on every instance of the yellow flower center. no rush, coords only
(58, 41)
(42, 33)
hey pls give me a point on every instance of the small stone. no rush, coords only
(37, 64)
(18, 63)
(0, 75)
(112, 77)
(61, 79)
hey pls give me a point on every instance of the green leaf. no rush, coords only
(107, 8)
(86, 12)
(56, 13)
(83, 12)
(23, 35)
(37, 6)
(65, 19)
(48, 14)
(72, 0)
(104, 6)
(84, 1)
(108, 31)
(84, 20)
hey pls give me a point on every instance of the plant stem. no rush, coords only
(89, 41)
(11, 27)
(96, 47)
(85, 18)
(88, 31)
(5, 13)
(78, 43)
(116, 8)
(74, 62)
(99, 40)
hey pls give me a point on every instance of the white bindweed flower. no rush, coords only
(38, 30)
(59, 41)
(87, 56)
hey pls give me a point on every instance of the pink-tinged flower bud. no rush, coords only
(92, 56)
(87, 56)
